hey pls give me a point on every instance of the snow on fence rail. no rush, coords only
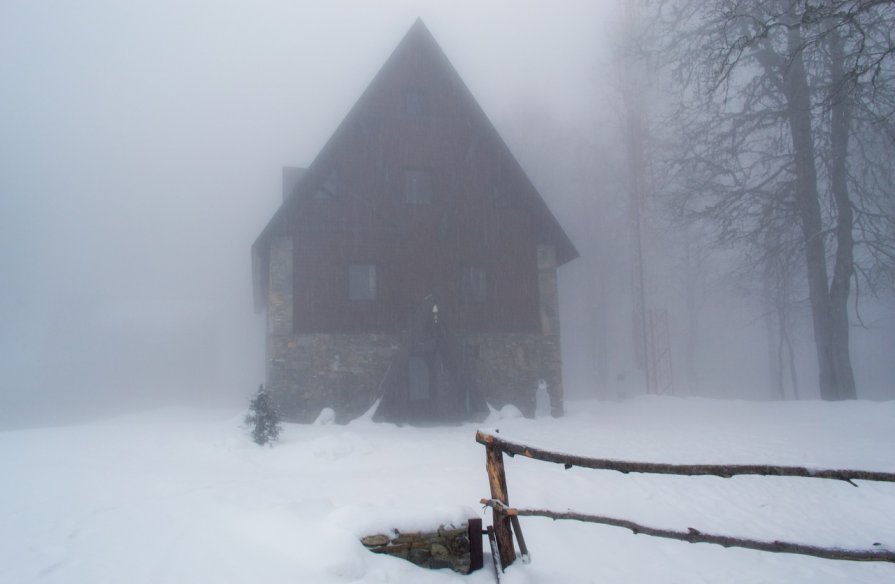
(506, 520)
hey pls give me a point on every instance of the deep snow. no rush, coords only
(181, 496)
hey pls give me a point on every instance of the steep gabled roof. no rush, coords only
(417, 41)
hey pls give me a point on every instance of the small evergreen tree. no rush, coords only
(263, 419)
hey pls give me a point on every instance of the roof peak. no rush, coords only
(419, 30)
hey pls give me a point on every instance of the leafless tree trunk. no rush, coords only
(834, 366)
(693, 284)
(786, 343)
(843, 268)
(773, 338)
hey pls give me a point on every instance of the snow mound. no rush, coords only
(387, 518)
(507, 412)
(326, 417)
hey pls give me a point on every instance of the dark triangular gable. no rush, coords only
(419, 43)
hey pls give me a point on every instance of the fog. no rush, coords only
(141, 147)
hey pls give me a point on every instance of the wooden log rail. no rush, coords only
(505, 517)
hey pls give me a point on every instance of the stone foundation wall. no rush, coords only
(548, 299)
(279, 304)
(448, 547)
(309, 372)
(507, 366)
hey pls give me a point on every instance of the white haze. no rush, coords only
(140, 154)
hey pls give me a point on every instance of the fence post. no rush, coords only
(498, 482)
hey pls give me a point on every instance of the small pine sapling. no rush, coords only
(262, 419)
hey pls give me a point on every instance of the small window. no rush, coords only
(414, 103)
(329, 188)
(499, 198)
(362, 282)
(417, 186)
(474, 285)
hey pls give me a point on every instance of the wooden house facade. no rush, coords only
(412, 262)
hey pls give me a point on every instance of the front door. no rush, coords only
(420, 388)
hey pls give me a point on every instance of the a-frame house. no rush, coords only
(412, 262)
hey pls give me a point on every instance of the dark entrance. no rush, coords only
(420, 387)
(428, 382)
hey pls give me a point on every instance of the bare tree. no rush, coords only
(781, 275)
(785, 118)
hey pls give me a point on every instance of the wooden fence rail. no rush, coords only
(505, 518)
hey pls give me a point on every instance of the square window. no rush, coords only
(499, 198)
(417, 186)
(362, 282)
(474, 285)
(330, 187)
(414, 103)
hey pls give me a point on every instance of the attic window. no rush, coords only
(414, 103)
(417, 186)
(362, 282)
(329, 188)
(499, 198)
(474, 285)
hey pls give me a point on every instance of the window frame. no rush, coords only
(364, 298)
(413, 102)
(412, 195)
(475, 284)
(330, 187)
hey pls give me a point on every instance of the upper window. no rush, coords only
(474, 285)
(330, 187)
(362, 282)
(417, 186)
(414, 103)
(500, 199)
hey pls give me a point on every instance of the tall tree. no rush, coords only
(769, 136)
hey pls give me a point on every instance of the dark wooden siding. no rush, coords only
(418, 249)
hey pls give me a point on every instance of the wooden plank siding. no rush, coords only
(477, 216)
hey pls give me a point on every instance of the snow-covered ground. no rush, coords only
(183, 496)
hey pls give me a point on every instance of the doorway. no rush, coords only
(420, 387)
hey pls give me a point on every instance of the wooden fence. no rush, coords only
(506, 518)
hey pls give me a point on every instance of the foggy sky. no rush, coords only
(140, 156)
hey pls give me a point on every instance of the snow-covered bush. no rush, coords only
(262, 419)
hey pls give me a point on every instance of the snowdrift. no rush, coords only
(185, 496)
